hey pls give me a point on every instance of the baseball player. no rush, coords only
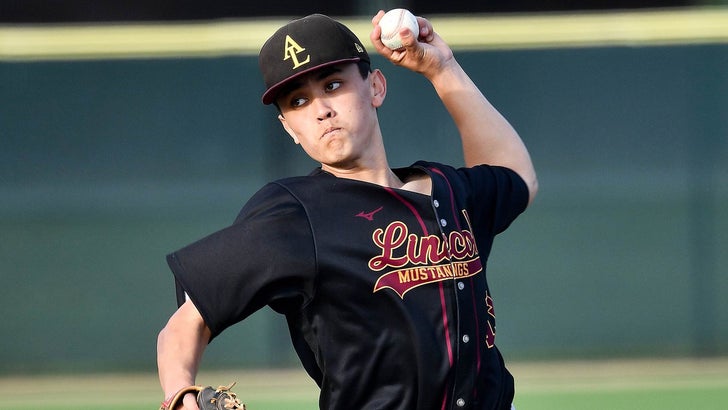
(380, 272)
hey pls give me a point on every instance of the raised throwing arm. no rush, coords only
(487, 137)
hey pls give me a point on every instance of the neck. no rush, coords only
(380, 175)
(417, 182)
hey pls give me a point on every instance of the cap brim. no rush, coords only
(271, 93)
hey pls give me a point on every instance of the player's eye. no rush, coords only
(298, 101)
(333, 85)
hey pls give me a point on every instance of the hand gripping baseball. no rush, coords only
(208, 398)
(427, 54)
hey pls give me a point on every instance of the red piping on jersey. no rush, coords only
(472, 285)
(447, 338)
(442, 290)
(452, 196)
(411, 208)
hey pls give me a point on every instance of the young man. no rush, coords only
(379, 272)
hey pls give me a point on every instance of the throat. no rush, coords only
(418, 182)
(412, 180)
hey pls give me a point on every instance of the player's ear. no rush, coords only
(378, 87)
(288, 129)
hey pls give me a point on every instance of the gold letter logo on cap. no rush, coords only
(292, 50)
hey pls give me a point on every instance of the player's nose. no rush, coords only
(324, 110)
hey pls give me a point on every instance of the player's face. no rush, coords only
(332, 114)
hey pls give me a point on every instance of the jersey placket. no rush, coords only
(460, 307)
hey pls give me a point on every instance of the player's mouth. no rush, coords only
(329, 131)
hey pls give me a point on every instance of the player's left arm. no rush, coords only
(180, 346)
(487, 137)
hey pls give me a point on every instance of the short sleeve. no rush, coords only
(498, 191)
(266, 257)
(493, 195)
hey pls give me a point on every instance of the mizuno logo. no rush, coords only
(369, 216)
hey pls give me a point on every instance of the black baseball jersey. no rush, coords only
(384, 290)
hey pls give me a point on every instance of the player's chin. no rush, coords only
(340, 161)
(337, 147)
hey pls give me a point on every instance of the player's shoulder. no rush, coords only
(296, 188)
(483, 170)
(290, 194)
(438, 170)
(483, 178)
(316, 179)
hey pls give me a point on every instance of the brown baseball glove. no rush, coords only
(208, 398)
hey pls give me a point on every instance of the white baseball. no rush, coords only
(393, 21)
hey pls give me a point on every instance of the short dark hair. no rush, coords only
(364, 68)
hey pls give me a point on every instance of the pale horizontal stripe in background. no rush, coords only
(244, 37)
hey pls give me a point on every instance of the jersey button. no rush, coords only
(460, 402)
(461, 285)
(436, 203)
(443, 222)
(466, 338)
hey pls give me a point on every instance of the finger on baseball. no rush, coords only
(377, 42)
(426, 32)
(377, 17)
(408, 38)
(375, 34)
(375, 38)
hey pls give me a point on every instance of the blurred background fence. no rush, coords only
(118, 153)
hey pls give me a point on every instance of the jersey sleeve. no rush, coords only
(500, 192)
(495, 195)
(266, 257)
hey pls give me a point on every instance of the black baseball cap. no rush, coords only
(304, 45)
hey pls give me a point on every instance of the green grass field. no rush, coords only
(609, 385)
